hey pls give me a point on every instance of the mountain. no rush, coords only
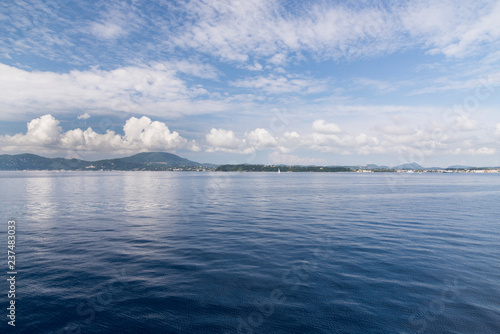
(373, 166)
(412, 166)
(33, 161)
(159, 158)
(141, 161)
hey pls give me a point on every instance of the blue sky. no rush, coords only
(309, 82)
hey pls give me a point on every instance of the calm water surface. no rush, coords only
(182, 252)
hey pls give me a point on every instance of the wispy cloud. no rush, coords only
(379, 85)
(116, 21)
(453, 28)
(485, 82)
(274, 84)
(233, 30)
(240, 31)
(330, 30)
(107, 30)
(151, 90)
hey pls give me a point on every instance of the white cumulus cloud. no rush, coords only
(321, 126)
(44, 131)
(261, 138)
(465, 123)
(153, 135)
(44, 134)
(84, 116)
(223, 140)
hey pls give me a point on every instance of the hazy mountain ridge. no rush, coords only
(160, 158)
(141, 161)
(410, 166)
(158, 161)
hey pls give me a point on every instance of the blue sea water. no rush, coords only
(187, 252)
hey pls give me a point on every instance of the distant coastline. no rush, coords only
(349, 169)
(162, 161)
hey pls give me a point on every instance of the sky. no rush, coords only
(254, 81)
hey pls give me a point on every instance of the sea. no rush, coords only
(214, 252)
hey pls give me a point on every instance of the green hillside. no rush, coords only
(142, 161)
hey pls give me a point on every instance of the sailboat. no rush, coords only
(279, 171)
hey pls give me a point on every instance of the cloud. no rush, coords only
(246, 31)
(483, 30)
(107, 30)
(320, 126)
(289, 141)
(274, 84)
(261, 138)
(234, 30)
(453, 28)
(289, 159)
(200, 70)
(381, 86)
(255, 67)
(445, 134)
(480, 151)
(473, 151)
(151, 90)
(346, 144)
(117, 21)
(465, 123)
(395, 129)
(42, 131)
(84, 116)
(152, 135)
(497, 132)
(480, 88)
(277, 59)
(227, 141)
(223, 140)
(45, 135)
